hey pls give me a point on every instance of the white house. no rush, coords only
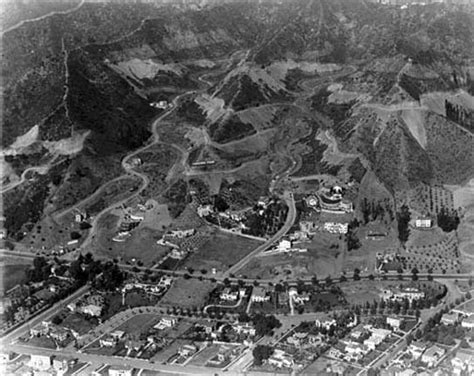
(259, 295)
(120, 371)
(40, 362)
(468, 322)
(229, 295)
(166, 322)
(395, 322)
(417, 348)
(423, 222)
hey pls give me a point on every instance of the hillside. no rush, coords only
(393, 86)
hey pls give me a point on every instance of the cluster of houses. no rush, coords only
(359, 344)
(156, 289)
(51, 330)
(284, 246)
(400, 294)
(91, 305)
(131, 220)
(329, 200)
(462, 315)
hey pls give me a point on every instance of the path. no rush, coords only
(62, 12)
(290, 220)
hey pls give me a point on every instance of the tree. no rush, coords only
(264, 324)
(56, 320)
(261, 353)
(403, 219)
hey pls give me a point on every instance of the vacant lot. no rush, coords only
(221, 251)
(324, 257)
(12, 274)
(141, 245)
(139, 324)
(187, 293)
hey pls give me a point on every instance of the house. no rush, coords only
(463, 362)
(308, 227)
(432, 355)
(187, 350)
(259, 295)
(280, 359)
(229, 295)
(246, 329)
(166, 322)
(165, 282)
(326, 324)
(468, 322)
(40, 362)
(204, 210)
(92, 310)
(107, 341)
(180, 234)
(336, 228)
(298, 298)
(449, 319)
(120, 371)
(334, 353)
(417, 348)
(117, 334)
(59, 334)
(409, 293)
(423, 222)
(394, 322)
(40, 330)
(61, 364)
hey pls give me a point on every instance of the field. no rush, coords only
(187, 293)
(12, 273)
(111, 193)
(322, 259)
(141, 245)
(221, 251)
(139, 324)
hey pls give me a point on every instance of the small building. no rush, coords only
(120, 371)
(468, 322)
(204, 210)
(59, 334)
(423, 222)
(432, 355)
(166, 322)
(117, 334)
(40, 362)
(417, 348)
(395, 322)
(229, 295)
(187, 350)
(449, 319)
(107, 341)
(463, 362)
(259, 295)
(92, 310)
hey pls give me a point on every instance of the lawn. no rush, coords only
(139, 324)
(12, 275)
(321, 259)
(221, 251)
(42, 341)
(187, 293)
(132, 299)
(78, 323)
(206, 354)
(141, 245)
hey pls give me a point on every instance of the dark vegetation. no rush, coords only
(403, 219)
(190, 110)
(463, 116)
(448, 220)
(267, 223)
(177, 198)
(231, 129)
